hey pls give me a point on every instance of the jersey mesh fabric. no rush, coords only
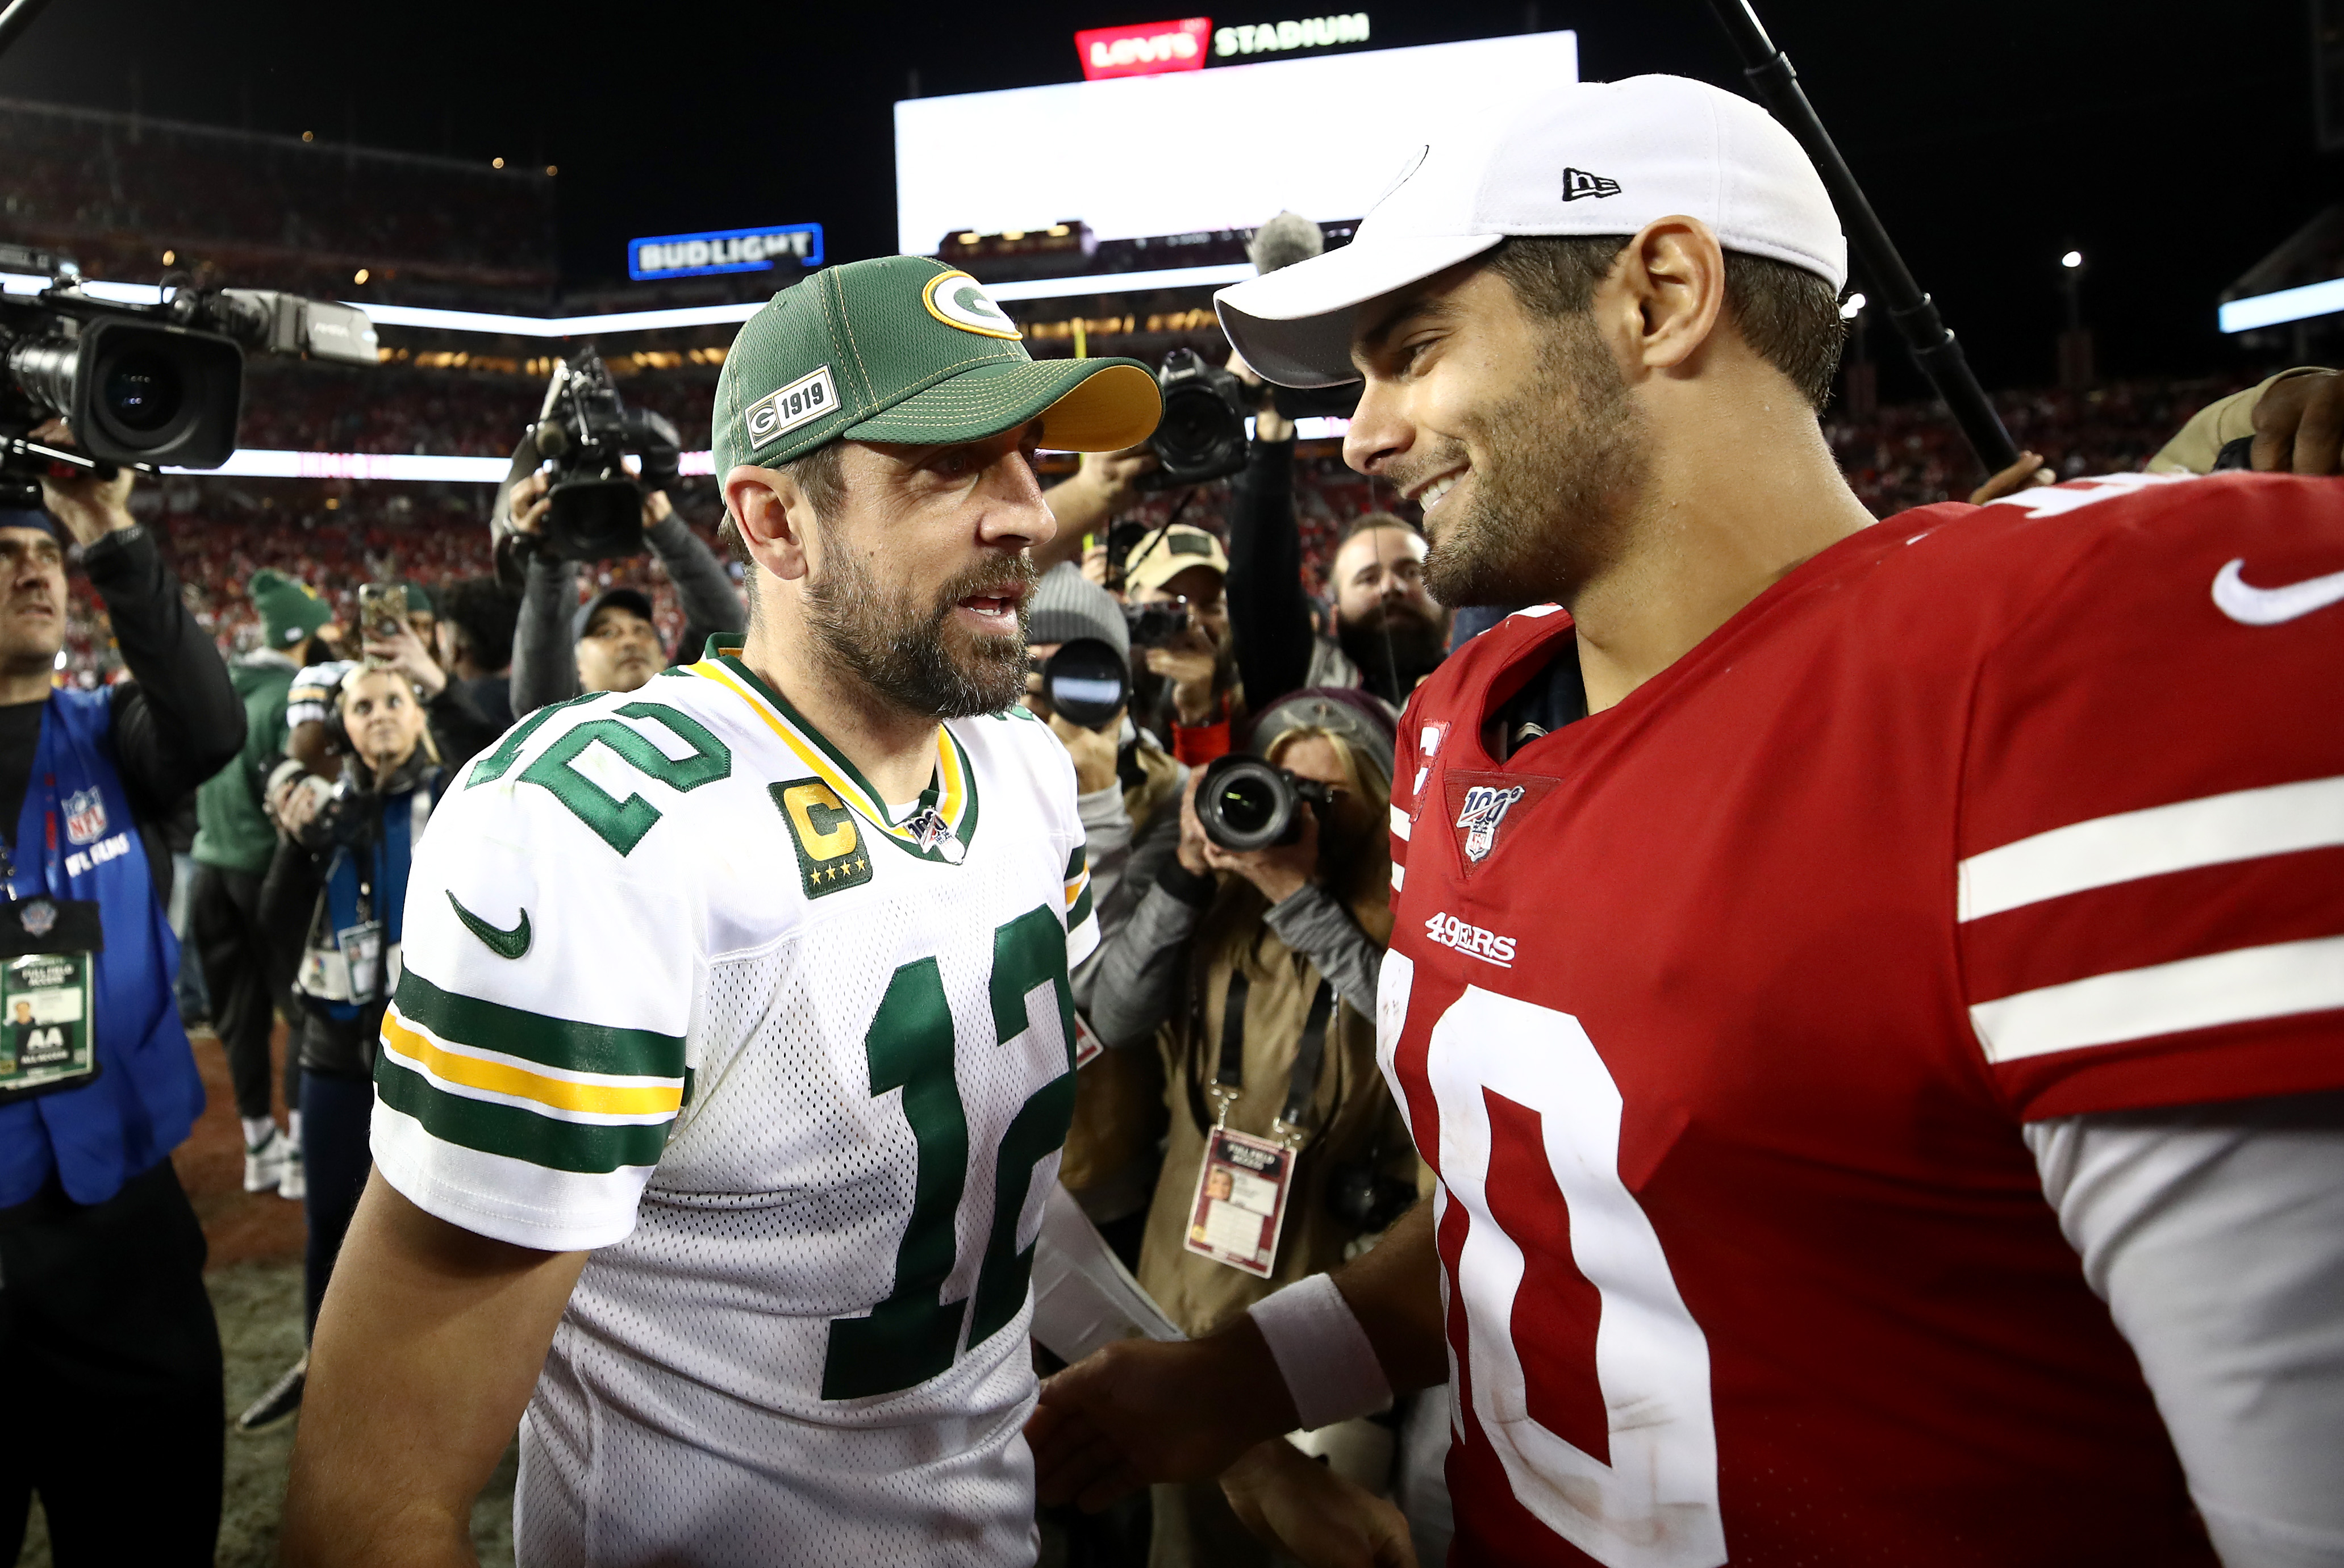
(1692, 1004)
(687, 1410)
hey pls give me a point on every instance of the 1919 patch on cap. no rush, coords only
(807, 397)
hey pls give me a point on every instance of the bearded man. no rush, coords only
(733, 1051)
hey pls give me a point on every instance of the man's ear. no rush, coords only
(772, 511)
(1664, 295)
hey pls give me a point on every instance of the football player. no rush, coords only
(1869, 991)
(731, 1051)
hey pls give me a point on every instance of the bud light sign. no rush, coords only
(724, 250)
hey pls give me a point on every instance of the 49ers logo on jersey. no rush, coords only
(1482, 805)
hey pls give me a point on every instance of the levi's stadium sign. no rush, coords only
(1148, 49)
(1152, 48)
(724, 250)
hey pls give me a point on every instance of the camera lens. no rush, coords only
(1248, 803)
(143, 391)
(1194, 422)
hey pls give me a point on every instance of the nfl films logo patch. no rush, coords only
(85, 816)
(807, 397)
(831, 852)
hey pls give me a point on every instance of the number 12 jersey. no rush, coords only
(679, 989)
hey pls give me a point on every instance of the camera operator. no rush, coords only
(248, 977)
(111, 1355)
(1193, 698)
(337, 891)
(1258, 968)
(550, 660)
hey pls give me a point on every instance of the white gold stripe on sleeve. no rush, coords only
(1399, 825)
(2233, 988)
(2244, 825)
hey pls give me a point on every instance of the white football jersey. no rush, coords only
(679, 988)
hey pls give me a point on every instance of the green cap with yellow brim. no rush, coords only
(904, 349)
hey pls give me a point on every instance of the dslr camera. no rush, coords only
(1202, 435)
(143, 385)
(586, 432)
(1243, 803)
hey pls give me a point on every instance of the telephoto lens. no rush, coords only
(1243, 803)
(1085, 683)
(1202, 435)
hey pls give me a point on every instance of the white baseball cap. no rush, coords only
(1593, 157)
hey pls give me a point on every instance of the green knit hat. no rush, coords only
(905, 348)
(289, 613)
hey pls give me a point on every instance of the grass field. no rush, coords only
(255, 1278)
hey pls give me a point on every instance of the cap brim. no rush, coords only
(1294, 325)
(1085, 405)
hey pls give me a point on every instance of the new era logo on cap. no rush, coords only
(1578, 183)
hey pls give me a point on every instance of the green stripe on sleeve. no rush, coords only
(1082, 909)
(1074, 866)
(515, 1133)
(534, 1038)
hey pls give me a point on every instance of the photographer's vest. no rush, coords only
(75, 840)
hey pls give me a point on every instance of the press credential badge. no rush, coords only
(1239, 1207)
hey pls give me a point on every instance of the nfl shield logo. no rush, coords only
(40, 917)
(85, 816)
(1485, 807)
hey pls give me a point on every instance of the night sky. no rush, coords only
(2172, 143)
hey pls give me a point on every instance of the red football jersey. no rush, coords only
(1718, 1014)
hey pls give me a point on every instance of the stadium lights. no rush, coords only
(1848, 312)
(2073, 259)
(496, 325)
(170, 256)
(359, 276)
(496, 163)
(2286, 305)
(255, 462)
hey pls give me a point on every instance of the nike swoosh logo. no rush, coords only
(2250, 606)
(504, 944)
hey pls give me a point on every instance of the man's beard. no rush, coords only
(1563, 462)
(901, 650)
(1394, 646)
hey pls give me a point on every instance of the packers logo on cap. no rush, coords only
(956, 300)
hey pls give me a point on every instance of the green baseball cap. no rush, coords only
(905, 348)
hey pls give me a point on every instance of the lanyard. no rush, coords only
(1301, 1080)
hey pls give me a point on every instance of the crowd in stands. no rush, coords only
(335, 535)
(110, 191)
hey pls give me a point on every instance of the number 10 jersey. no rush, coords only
(679, 989)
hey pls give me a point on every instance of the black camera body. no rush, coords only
(1243, 803)
(1202, 435)
(1155, 624)
(587, 432)
(144, 385)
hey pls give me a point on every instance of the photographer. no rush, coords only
(1125, 783)
(112, 1358)
(1192, 696)
(1255, 972)
(337, 891)
(548, 663)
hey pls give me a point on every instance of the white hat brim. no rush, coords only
(1294, 325)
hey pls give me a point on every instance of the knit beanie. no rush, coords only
(1068, 605)
(289, 613)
